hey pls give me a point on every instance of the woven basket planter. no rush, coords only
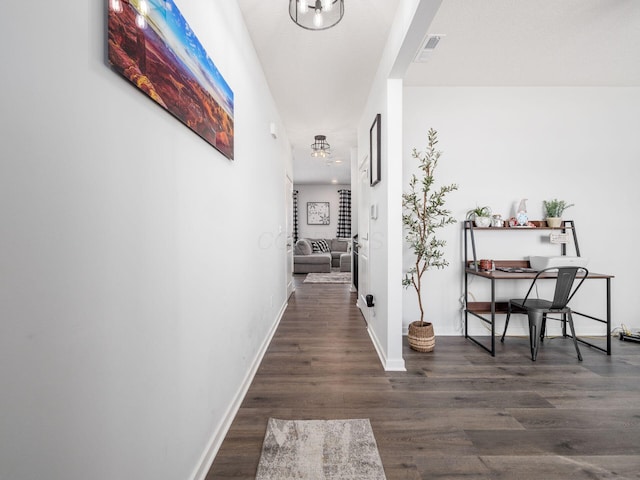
(421, 338)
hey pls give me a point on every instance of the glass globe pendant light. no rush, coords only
(316, 14)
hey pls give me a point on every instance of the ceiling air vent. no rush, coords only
(428, 46)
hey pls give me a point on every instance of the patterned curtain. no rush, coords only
(295, 216)
(344, 214)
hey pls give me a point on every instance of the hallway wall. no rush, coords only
(135, 297)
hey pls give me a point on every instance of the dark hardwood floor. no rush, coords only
(456, 413)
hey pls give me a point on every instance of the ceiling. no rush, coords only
(320, 80)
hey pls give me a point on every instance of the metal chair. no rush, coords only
(537, 309)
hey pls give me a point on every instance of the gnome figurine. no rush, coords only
(521, 215)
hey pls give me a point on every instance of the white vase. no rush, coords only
(482, 221)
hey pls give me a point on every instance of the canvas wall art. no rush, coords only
(318, 213)
(152, 46)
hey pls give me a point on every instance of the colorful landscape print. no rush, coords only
(151, 45)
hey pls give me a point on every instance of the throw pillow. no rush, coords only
(320, 246)
(303, 247)
(339, 245)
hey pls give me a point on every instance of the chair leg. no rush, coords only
(535, 325)
(543, 329)
(573, 335)
(506, 324)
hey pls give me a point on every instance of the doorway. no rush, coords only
(363, 235)
(288, 233)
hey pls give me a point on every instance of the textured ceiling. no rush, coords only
(533, 43)
(320, 80)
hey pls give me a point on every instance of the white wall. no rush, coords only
(385, 236)
(319, 193)
(504, 144)
(135, 298)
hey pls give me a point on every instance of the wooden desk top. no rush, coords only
(500, 275)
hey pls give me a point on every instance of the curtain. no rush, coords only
(344, 214)
(295, 216)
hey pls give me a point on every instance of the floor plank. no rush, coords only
(456, 413)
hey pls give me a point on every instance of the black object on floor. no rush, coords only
(630, 337)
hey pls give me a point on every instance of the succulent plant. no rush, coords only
(479, 212)
(555, 208)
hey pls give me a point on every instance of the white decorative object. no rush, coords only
(482, 222)
(559, 238)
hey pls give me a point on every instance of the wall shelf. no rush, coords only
(541, 225)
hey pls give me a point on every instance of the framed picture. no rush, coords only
(374, 151)
(153, 47)
(317, 213)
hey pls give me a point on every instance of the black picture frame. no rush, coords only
(374, 151)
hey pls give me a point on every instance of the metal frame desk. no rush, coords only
(487, 311)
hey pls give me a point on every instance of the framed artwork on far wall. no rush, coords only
(318, 213)
(374, 151)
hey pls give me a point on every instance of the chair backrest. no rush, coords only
(564, 284)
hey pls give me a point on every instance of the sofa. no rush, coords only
(318, 255)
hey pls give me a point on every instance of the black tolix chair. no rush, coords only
(537, 309)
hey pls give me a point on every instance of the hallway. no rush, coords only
(456, 413)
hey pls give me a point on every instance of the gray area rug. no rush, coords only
(333, 277)
(320, 450)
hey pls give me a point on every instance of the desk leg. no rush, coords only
(466, 304)
(493, 317)
(608, 316)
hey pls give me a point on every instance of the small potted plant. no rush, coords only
(481, 216)
(424, 213)
(553, 210)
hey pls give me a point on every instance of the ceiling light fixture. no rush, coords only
(320, 148)
(316, 14)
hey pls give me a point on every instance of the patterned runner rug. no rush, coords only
(333, 277)
(320, 450)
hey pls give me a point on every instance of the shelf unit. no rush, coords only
(486, 311)
(470, 229)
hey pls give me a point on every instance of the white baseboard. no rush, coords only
(206, 460)
(361, 303)
(396, 365)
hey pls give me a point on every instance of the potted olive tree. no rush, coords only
(553, 210)
(424, 213)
